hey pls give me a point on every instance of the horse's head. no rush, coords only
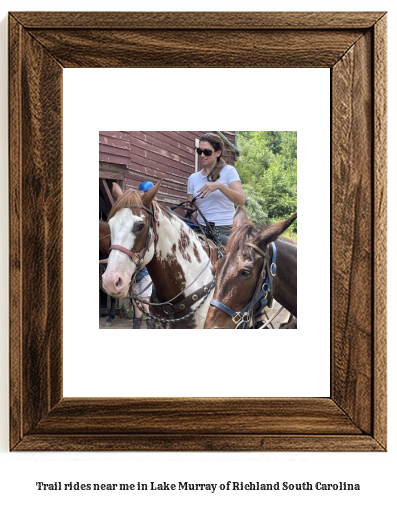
(131, 226)
(240, 269)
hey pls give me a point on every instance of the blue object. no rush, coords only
(145, 186)
(143, 272)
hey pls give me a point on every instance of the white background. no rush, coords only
(19, 472)
(235, 364)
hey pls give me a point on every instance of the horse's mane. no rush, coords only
(246, 232)
(130, 199)
(239, 237)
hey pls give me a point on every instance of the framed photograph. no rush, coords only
(353, 47)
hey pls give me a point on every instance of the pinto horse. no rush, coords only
(180, 264)
(104, 244)
(250, 261)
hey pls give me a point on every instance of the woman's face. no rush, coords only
(210, 161)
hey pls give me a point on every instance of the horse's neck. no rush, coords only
(179, 259)
(285, 290)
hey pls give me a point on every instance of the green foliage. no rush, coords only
(126, 313)
(268, 169)
(255, 205)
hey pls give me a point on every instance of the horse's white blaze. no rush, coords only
(120, 269)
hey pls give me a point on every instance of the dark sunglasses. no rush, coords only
(206, 152)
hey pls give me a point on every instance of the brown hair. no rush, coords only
(239, 237)
(217, 143)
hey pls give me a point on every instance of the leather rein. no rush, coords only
(263, 294)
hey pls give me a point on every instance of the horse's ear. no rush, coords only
(240, 217)
(148, 196)
(116, 190)
(272, 232)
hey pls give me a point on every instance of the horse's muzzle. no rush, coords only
(114, 285)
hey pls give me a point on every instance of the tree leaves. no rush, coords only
(268, 169)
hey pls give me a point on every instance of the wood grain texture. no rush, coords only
(352, 231)
(202, 443)
(199, 21)
(380, 228)
(35, 232)
(175, 416)
(197, 48)
(15, 227)
(353, 45)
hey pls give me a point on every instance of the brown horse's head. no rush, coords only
(239, 269)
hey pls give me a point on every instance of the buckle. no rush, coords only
(238, 314)
(245, 317)
(170, 307)
(136, 259)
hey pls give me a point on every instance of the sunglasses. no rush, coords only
(206, 152)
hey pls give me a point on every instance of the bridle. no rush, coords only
(244, 319)
(137, 257)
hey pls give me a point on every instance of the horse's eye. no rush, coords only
(140, 227)
(244, 273)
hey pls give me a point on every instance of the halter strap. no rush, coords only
(259, 250)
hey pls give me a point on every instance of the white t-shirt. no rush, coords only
(216, 207)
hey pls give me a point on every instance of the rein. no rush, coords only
(263, 294)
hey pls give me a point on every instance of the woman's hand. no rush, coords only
(208, 188)
(234, 192)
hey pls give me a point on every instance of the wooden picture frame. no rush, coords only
(353, 46)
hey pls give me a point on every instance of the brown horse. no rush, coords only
(104, 244)
(253, 259)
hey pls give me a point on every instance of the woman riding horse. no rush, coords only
(216, 188)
